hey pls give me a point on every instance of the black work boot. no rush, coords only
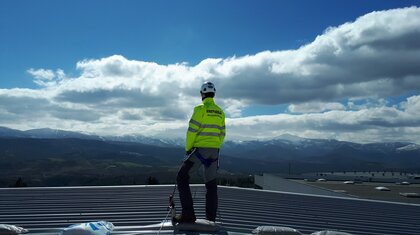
(184, 219)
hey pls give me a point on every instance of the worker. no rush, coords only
(205, 135)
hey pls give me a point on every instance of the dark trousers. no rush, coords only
(185, 192)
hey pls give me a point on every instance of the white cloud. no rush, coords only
(233, 108)
(359, 104)
(359, 63)
(375, 56)
(315, 107)
(44, 77)
(412, 106)
(366, 125)
(43, 74)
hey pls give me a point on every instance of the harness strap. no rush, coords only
(206, 161)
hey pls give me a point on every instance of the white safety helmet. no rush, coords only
(208, 87)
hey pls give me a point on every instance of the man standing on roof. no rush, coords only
(205, 135)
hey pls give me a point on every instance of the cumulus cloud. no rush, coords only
(336, 86)
(366, 125)
(314, 107)
(374, 56)
(412, 105)
(44, 77)
(42, 74)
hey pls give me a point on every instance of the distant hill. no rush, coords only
(47, 133)
(50, 157)
(71, 161)
(329, 154)
(7, 132)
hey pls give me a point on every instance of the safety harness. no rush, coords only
(206, 161)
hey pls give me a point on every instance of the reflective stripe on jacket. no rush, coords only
(207, 126)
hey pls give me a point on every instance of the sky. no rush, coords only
(345, 70)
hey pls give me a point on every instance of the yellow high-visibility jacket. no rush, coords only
(207, 126)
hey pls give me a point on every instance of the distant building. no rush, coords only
(365, 176)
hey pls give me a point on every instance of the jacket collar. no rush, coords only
(208, 100)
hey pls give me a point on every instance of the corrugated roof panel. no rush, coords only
(241, 210)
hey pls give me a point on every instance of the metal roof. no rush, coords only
(48, 210)
(278, 183)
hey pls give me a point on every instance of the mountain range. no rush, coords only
(46, 154)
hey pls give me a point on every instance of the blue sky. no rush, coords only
(281, 66)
